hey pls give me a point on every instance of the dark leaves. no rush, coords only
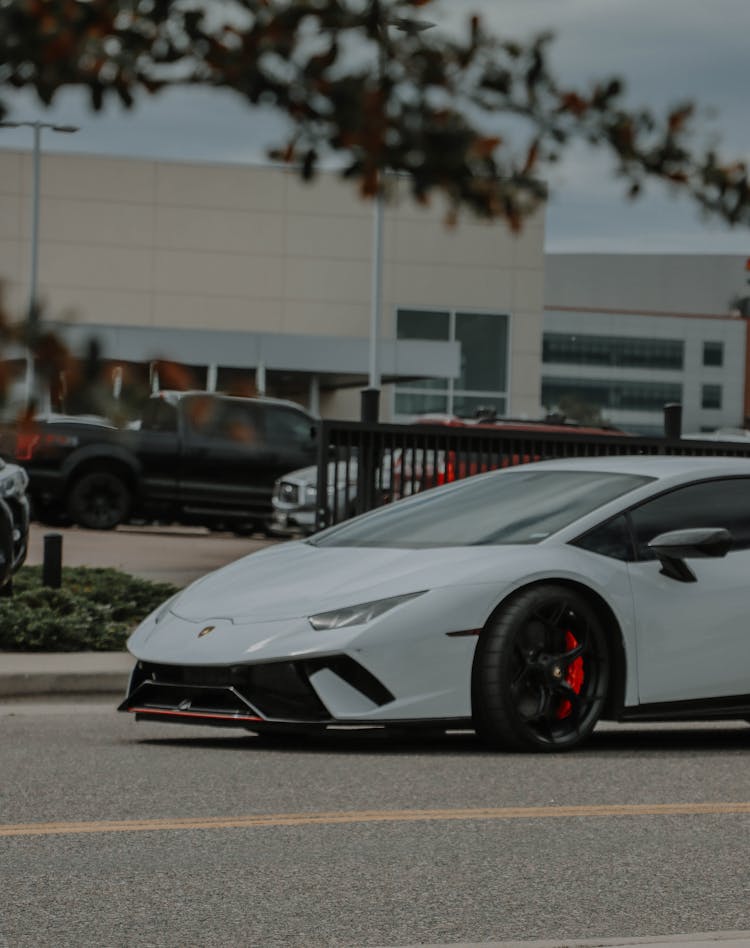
(411, 101)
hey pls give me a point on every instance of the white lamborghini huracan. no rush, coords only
(527, 603)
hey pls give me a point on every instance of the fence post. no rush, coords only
(367, 462)
(322, 513)
(370, 405)
(52, 563)
(673, 420)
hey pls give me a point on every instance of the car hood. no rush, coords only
(299, 579)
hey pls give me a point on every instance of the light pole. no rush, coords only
(32, 318)
(370, 404)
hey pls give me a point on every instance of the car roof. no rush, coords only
(651, 465)
(172, 396)
(518, 425)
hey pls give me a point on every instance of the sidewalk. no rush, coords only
(702, 940)
(42, 674)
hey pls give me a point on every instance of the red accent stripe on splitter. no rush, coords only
(195, 714)
(455, 635)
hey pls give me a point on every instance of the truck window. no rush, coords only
(288, 426)
(159, 415)
(237, 422)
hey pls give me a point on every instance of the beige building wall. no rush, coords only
(129, 242)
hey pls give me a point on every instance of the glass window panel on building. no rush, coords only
(713, 353)
(711, 396)
(484, 362)
(416, 403)
(604, 394)
(424, 324)
(484, 340)
(625, 351)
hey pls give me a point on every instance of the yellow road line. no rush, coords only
(375, 816)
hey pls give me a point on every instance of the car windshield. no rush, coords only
(523, 506)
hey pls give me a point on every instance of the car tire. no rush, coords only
(99, 500)
(541, 671)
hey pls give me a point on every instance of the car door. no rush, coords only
(157, 445)
(693, 638)
(290, 434)
(226, 461)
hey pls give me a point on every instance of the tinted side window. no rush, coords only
(223, 419)
(159, 415)
(718, 503)
(609, 539)
(237, 422)
(200, 413)
(288, 426)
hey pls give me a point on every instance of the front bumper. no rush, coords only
(245, 695)
(288, 519)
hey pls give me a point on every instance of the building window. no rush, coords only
(483, 380)
(711, 396)
(713, 353)
(583, 349)
(604, 394)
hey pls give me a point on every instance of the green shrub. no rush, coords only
(94, 610)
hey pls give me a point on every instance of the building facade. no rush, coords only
(626, 334)
(248, 278)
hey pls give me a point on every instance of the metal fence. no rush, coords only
(361, 466)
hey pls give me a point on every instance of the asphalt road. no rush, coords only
(118, 834)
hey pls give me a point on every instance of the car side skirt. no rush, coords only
(704, 709)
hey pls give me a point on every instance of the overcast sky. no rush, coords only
(666, 50)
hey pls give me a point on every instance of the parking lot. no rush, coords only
(162, 554)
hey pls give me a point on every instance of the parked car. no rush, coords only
(528, 603)
(194, 457)
(295, 497)
(14, 521)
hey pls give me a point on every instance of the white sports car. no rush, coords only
(527, 603)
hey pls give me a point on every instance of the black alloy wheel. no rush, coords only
(541, 672)
(99, 500)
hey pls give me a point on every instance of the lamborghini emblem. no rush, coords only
(205, 630)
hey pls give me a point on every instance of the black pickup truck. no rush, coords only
(194, 458)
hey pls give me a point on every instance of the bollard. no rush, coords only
(52, 563)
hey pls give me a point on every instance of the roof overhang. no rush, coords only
(339, 361)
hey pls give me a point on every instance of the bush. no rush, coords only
(94, 610)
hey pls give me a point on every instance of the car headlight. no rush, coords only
(14, 484)
(359, 614)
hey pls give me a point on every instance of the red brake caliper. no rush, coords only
(573, 676)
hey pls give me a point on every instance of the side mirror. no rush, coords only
(674, 547)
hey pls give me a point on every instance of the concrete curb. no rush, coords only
(736, 939)
(31, 674)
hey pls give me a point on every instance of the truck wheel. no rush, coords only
(99, 500)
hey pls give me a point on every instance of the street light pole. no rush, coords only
(32, 317)
(370, 403)
(33, 314)
(371, 395)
